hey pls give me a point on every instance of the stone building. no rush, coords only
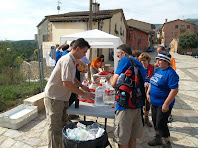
(52, 27)
(145, 27)
(173, 29)
(137, 39)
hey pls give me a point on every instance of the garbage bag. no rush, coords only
(100, 142)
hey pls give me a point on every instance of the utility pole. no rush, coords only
(90, 28)
(90, 15)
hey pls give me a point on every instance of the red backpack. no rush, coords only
(130, 90)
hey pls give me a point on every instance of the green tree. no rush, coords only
(188, 41)
(7, 54)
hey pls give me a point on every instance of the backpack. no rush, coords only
(132, 85)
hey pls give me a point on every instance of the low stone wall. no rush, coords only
(187, 51)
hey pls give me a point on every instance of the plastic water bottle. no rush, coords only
(122, 100)
(138, 92)
(109, 93)
(99, 95)
(85, 83)
(120, 78)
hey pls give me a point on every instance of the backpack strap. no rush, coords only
(133, 64)
(141, 81)
(157, 70)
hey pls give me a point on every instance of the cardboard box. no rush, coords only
(107, 67)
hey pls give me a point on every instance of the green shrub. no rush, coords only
(12, 95)
(188, 41)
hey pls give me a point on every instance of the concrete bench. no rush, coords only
(37, 100)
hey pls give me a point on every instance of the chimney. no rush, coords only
(96, 7)
(166, 20)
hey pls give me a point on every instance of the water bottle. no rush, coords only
(122, 99)
(139, 92)
(120, 78)
(76, 103)
(109, 93)
(99, 95)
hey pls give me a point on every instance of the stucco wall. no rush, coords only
(133, 41)
(42, 30)
(174, 45)
(64, 28)
(119, 21)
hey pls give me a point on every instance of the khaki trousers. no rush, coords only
(57, 118)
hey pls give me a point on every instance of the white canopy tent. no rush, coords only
(96, 39)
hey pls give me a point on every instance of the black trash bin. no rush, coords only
(100, 142)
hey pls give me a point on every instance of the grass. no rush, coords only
(13, 95)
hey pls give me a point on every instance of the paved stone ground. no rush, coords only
(184, 128)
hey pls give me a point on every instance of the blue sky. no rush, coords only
(19, 18)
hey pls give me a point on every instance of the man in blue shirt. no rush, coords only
(69, 49)
(128, 122)
(59, 53)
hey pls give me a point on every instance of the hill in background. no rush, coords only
(24, 48)
(195, 21)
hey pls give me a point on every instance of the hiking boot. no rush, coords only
(147, 122)
(170, 118)
(156, 141)
(167, 145)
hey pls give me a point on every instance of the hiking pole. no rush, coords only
(146, 88)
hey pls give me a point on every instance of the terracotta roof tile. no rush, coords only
(82, 16)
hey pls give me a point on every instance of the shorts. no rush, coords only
(127, 124)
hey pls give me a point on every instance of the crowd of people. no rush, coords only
(160, 86)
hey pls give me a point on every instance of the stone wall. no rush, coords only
(31, 70)
(186, 51)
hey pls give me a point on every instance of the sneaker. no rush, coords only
(147, 122)
(167, 145)
(170, 118)
(156, 141)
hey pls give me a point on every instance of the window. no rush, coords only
(116, 32)
(134, 35)
(176, 34)
(121, 18)
(182, 28)
(176, 26)
(129, 34)
(188, 26)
